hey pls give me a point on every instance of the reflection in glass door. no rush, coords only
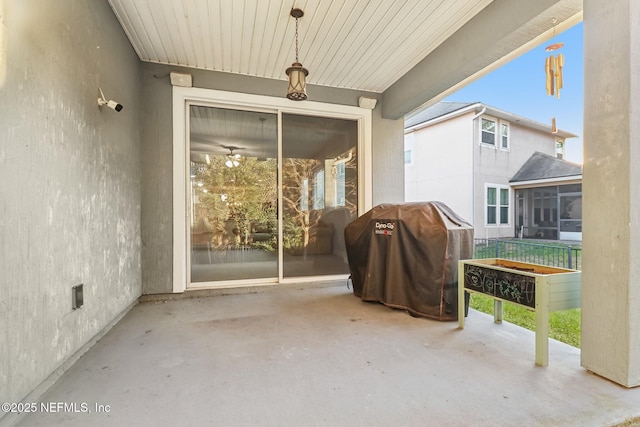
(234, 194)
(319, 193)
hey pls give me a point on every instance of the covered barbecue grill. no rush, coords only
(406, 256)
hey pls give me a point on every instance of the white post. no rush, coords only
(611, 202)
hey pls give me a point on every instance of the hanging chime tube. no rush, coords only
(550, 69)
(560, 65)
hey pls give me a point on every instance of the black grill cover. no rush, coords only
(406, 256)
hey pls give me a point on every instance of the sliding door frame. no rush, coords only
(184, 97)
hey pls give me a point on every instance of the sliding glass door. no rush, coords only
(234, 195)
(319, 193)
(268, 191)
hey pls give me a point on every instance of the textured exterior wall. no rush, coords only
(157, 143)
(388, 159)
(69, 184)
(157, 182)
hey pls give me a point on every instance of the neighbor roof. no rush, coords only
(542, 166)
(437, 110)
(448, 110)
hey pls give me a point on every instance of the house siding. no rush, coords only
(496, 166)
(441, 167)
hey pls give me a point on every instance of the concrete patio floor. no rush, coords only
(318, 356)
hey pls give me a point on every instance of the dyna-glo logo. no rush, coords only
(385, 228)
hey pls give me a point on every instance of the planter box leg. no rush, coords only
(498, 311)
(542, 338)
(542, 324)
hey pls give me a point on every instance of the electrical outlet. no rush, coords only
(77, 296)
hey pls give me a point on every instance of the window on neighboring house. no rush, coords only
(488, 131)
(559, 148)
(318, 190)
(407, 157)
(491, 205)
(504, 206)
(504, 135)
(497, 205)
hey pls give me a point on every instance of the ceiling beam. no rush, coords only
(491, 37)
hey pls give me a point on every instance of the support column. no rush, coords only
(611, 188)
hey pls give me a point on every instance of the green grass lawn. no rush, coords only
(563, 325)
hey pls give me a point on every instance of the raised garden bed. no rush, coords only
(536, 287)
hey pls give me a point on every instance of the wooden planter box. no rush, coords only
(536, 287)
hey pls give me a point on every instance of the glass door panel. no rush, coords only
(319, 193)
(234, 194)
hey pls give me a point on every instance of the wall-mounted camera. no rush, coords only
(102, 101)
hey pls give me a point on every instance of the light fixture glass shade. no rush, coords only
(233, 160)
(297, 82)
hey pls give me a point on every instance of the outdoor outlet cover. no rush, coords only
(77, 297)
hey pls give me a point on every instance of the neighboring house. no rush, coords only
(466, 155)
(548, 198)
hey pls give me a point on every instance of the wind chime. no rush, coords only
(553, 68)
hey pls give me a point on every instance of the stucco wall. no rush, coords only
(70, 184)
(442, 165)
(388, 159)
(157, 182)
(157, 220)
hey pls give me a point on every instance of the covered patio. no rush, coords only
(94, 207)
(319, 356)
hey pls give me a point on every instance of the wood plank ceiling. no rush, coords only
(356, 44)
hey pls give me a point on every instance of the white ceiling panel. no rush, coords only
(356, 44)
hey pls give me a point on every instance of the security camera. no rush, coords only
(111, 104)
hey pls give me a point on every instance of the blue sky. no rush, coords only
(519, 87)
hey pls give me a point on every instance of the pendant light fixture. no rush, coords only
(297, 73)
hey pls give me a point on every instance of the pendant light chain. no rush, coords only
(297, 40)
